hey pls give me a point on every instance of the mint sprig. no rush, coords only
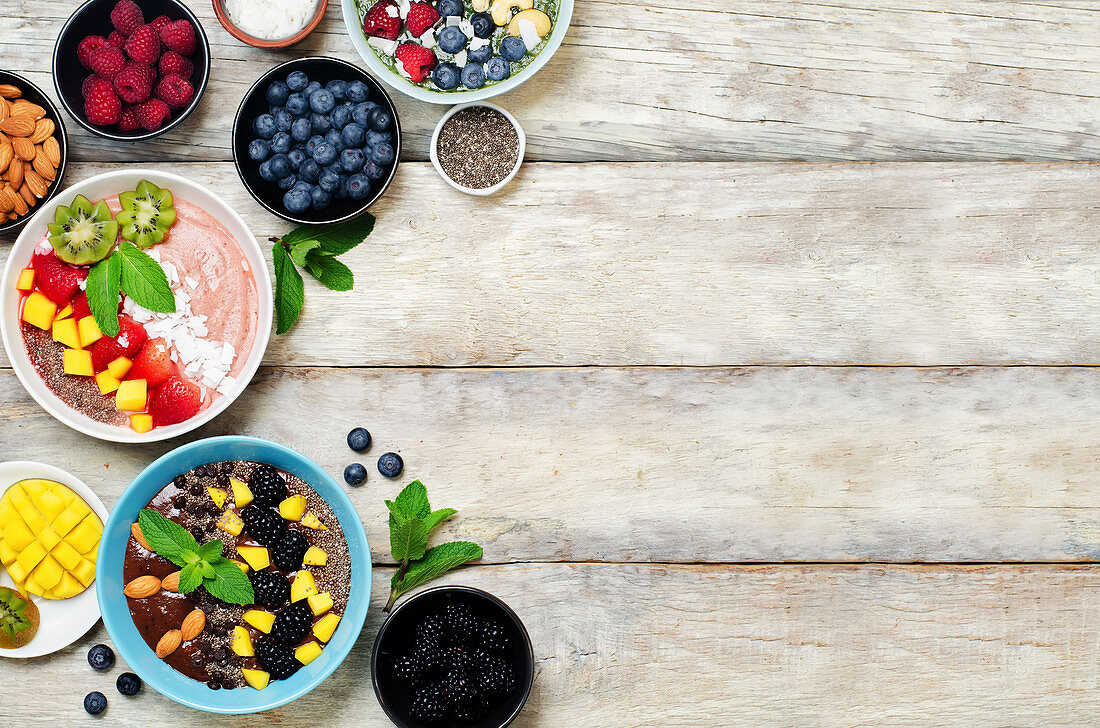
(201, 564)
(313, 248)
(412, 521)
(132, 271)
(104, 282)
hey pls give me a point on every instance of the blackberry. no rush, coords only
(288, 551)
(428, 705)
(470, 710)
(408, 670)
(266, 526)
(495, 678)
(431, 627)
(271, 588)
(277, 659)
(292, 624)
(493, 637)
(267, 485)
(459, 621)
(456, 660)
(428, 653)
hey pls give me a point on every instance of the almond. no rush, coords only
(15, 172)
(6, 154)
(18, 202)
(169, 642)
(35, 182)
(53, 151)
(23, 148)
(43, 130)
(26, 191)
(43, 167)
(5, 109)
(22, 107)
(171, 582)
(17, 126)
(10, 92)
(135, 531)
(193, 625)
(142, 587)
(5, 202)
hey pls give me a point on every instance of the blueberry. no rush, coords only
(480, 55)
(277, 93)
(313, 86)
(297, 81)
(358, 91)
(352, 160)
(313, 142)
(355, 474)
(320, 199)
(333, 137)
(451, 39)
(498, 69)
(280, 143)
(301, 129)
(373, 171)
(353, 135)
(483, 25)
(296, 104)
(280, 165)
(322, 101)
(319, 123)
(375, 138)
(390, 465)
(329, 180)
(380, 119)
(283, 119)
(361, 113)
(259, 150)
(296, 157)
(101, 657)
(513, 48)
(310, 171)
(338, 89)
(265, 172)
(288, 182)
(359, 439)
(358, 187)
(383, 155)
(302, 185)
(340, 117)
(128, 683)
(324, 153)
(445, 75)
(95, 702)
(473, 75)
(264, 126)
(296, 201)
(450, 7)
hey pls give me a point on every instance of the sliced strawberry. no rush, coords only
(381, 22)
(420, 17)
(153, 363)
(131, 337)
(58, 280)
(175, 401)
(80, 306)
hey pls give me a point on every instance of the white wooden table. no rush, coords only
(767, 386)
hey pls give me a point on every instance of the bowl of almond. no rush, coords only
(33, 150)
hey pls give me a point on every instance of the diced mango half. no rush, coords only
(217, 495)
(242, 495)
(259, 619)
(310, 520)
(39, 311)
(89, 331)
(257, 557)
(307, 653)
(324, 627)
(106, 382)
(293, 508)
(119, 367)
(131, 395)
(78, 362)
(230, 522)
(315, 556)
(319, 603)
(303, 586)
(65, 332)
(141, 423)
(257, 679)
(242, 642)
(25, 281)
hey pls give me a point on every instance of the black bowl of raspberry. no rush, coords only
(129, 70)
(452, 657)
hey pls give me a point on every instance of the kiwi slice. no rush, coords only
(83, 233)
(146, 215)
(18, 619)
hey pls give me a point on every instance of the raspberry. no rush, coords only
(143, 45)
(179, 36)
(270, 588)
(417, 60)
(152, 114)
(116, 39)
(292, 624)
(88, 46)
(379, 23)
(289, 551)
(420, 17)
(126, 17)
(102, 107)
(107, 62)
(134, 83)
(263, 524)
(92, 82)
(129, 121)
(277, 659)
(175, 91)
(267, 485)
(173, 63)
(160, 21)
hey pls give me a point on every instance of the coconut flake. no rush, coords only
(389, 47)
(391, 10)
(460, 58)
(476, 43)
(468, 28)
(528, 33)
(428, 39)
(403, 8)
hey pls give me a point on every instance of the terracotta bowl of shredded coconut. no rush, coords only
(270, 23)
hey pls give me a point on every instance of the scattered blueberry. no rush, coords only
(355, 474)
(310, 171)
(380, 119)
(280, 165)
(340, 117)
(358, 91)
(296, 104)
(324, 153)
(390, 465)
(296, 201)
(451, 39)
(280, 143)
(338, 89)
(513, 48)
(359, 439)
(319, 199)
(288, 182)
(264, 126)
(473, 75)
(277, 93)
(450, 7)
(353, 135)
(259, 150)
(319, 123)
(483, 25)
(373, 170)
(300, 130)
(383, 155)
(265, 172)
(101, 657)
(296, 157)
(95, 702)
(498, 69)
(283, 119)
(322, 101)
(128, 683)
(352, 160)
(480, 55)
(297, 81)
(358, 187)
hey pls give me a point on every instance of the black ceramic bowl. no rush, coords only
(94, 18)
(34, 94)
(395, 638)
(255, 103)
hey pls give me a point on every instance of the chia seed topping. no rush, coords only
(477, 147)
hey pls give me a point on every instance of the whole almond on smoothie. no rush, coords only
(142, 587)
(193, 625)
(171, 582)
(135, 531)
(169, 642)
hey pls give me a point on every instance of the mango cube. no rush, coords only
(325, 626)
(243, 566)
(319, 603)
(217, 495)
(257, 679)
(25, 282)
(293, 508)
(242, 495)
(64, 313)
(230, 522)
(106, 382)
(307, 653)
(309, 520)
(66, 555)
(303, 586)
(89, 331)
(85, 573)
(39, 311)
(315, 556)
(85, 537)
(119, 367)
(242, 642)
(131, 394)
(78, 362)
(31, 556)
(48, 572)
(257, 557)
(141, 423)
(65, 332)
(66, 588)
(259, 619)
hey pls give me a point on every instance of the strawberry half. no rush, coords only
(175, 401)
(417, 60)
(153, 363)
(55, 278)
(380, 22)
(131, 337)
(420, 17)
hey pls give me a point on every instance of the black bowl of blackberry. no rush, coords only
(452, 657)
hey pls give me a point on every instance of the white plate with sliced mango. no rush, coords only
(50, 526)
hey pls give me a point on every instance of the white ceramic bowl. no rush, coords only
(479, 191)
(354, 22)
(64, 621)
(96, 188)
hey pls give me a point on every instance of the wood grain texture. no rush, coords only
(620, 646)
(712, 264)
(765, 79)
(681, 465)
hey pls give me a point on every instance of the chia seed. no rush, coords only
(477, 147)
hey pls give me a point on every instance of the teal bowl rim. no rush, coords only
(116, 615)
(400, 83)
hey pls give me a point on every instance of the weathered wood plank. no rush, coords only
(682, 465)
(713, 264)
(742, 647)
(660, 80)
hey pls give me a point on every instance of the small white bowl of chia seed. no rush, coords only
(477, 148)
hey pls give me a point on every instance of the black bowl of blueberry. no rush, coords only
(316, 140)
(452, 657)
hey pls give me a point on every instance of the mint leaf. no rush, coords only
(190, 579)
(335, 239)
(437, 517)
(143, 279)
(408, 539)
(290, 293)
(437, 561)
(211, 550)
(332, 274)
(300, 249)
(412, 501)
(229, 583)
(169, 539)
(102, 290)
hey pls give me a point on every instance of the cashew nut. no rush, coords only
(501, 10)
(537, 18)
(481, 6)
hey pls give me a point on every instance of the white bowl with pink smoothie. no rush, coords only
(216, 270)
